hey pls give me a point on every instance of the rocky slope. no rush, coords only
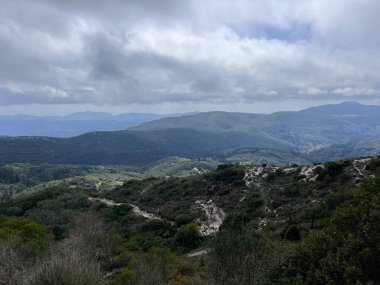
(262, 195)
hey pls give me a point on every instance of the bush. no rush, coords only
(159, 228)
(15, 259)
(346, 251)
(227, 174)
(67, 270)
(255, 207)
(154, 267)
(292, 233)
(235, 257)
(334, 168)
(292, 191)
(188, 237)
(28, 231)
(182, 219)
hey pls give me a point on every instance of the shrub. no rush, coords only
(182, 219)
(346, 251)
(292, 233)
(334, 168)
(159, 228)
(188, 237)
(15, 259)
(292, 191)
(227, 174)
(28, 231)
(235, 257)
(67, 270)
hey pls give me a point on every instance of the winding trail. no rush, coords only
(357, 168)
(199, 252)
(214, 215)
(136, 210)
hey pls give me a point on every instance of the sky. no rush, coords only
(170, 56)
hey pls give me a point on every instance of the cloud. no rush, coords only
(151, 52)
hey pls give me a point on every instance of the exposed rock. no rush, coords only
(136, 210)
(214, 217)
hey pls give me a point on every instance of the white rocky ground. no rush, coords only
(309, 172)
(106, 201)
(360, 165)
(136, 210)
(214, 217)
(255, 178)
(252, 175)
(199, 253)
(196, 171)
(141, 213)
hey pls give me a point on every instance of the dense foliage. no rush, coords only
(325, 232)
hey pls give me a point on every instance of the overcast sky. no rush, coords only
(166, 56)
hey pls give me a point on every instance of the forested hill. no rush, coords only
(315, 224)
(308, 129)
(130, 147)
(312, 135)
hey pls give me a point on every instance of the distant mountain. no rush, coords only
(346, 109)
(71, 125)
(316, 134)
(351, 149)
(308, 129)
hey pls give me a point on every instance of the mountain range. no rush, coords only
(315, 134)
(73, 124)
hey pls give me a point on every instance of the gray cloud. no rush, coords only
(151, 52)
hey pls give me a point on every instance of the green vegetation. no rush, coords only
(30, 232)
(21, 178)
(188, 237)
(288, 227)
(346, 251)
(280, 138)
(130, 147)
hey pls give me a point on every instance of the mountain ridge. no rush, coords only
(279, 138)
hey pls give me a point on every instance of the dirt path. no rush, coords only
(136, 210)
(199, 252)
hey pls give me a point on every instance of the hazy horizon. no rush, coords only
(64, 110)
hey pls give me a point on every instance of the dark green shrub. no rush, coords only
(188, 237)
(28, 231)
(292, 233)
(234, 257)
(346, 251)
(159, 228)
(334, 168)
(182, 219)
(292, 191)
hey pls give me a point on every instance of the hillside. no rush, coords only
(351, 149)
(130, 147)
(17, 179)
(312, 135)
(197, 228)
(308, 129)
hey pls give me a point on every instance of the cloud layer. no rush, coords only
(167, 51)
